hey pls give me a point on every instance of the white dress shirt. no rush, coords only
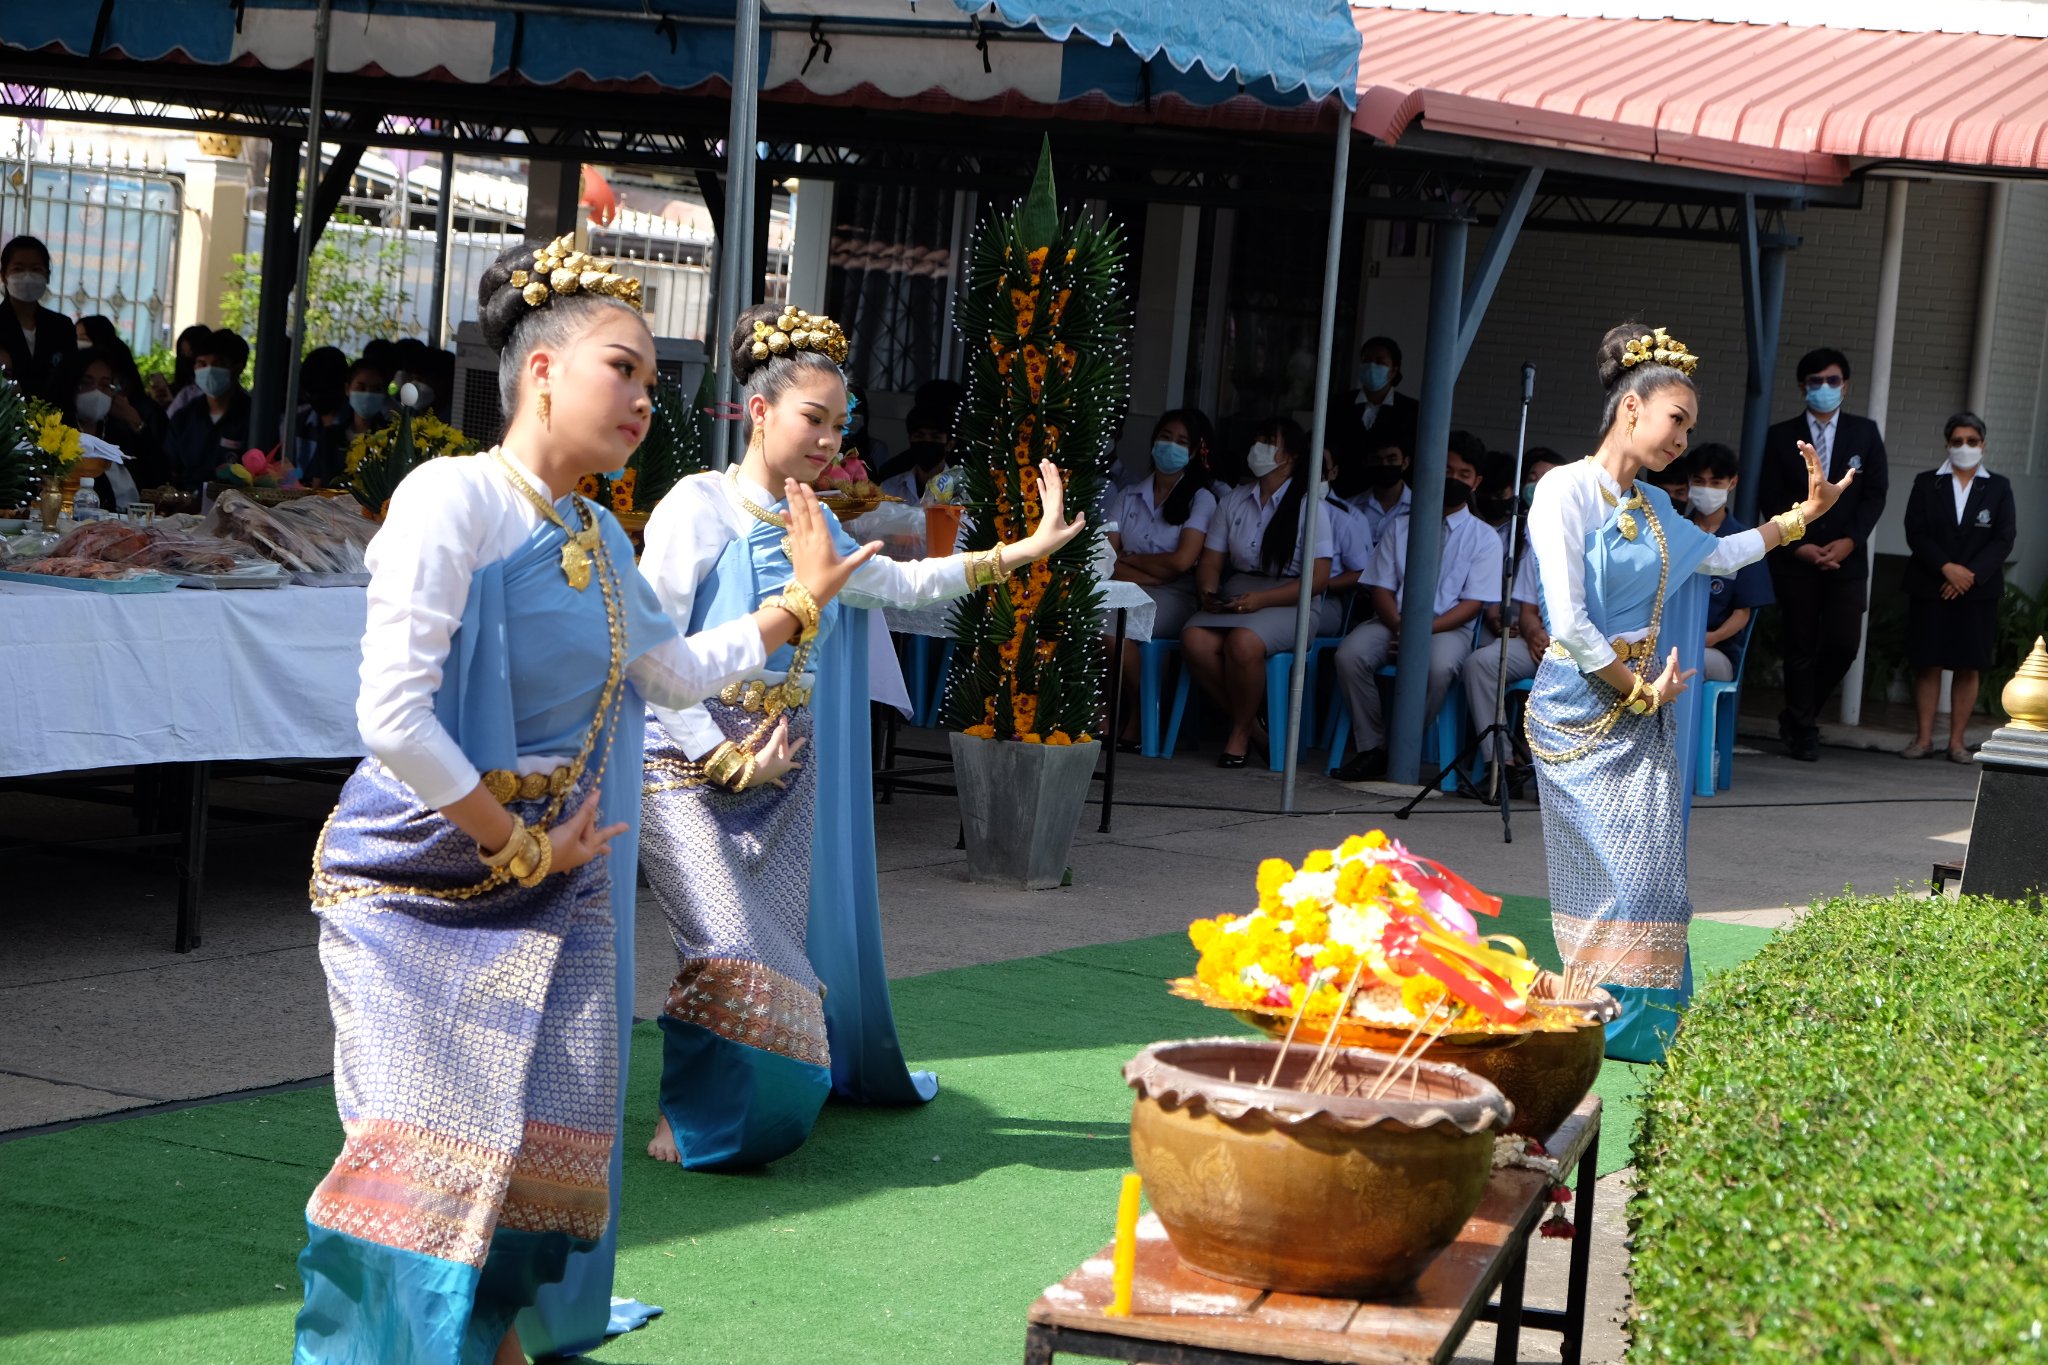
(1525, 586)
(904, 485)
(1569, 508)
(448, 519)
(1351, 538)
(1240, 523)
(1378, 516)
(688, 531)
(1959, 487)
(1468, 572)
(1144, 531)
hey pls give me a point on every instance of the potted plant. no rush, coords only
(1044, 317)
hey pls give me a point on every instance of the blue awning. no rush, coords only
(1200, 53)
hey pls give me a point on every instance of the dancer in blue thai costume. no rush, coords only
(468, 911)
(1623, 580)
(781, 997)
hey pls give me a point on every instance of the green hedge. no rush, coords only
(1843, 1159)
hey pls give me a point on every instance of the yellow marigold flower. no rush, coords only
(1318, 860)
(1351, 882)
(1376, 839)
(1274, 873)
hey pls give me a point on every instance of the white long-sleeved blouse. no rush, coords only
(450, 518)
(691, 528)
(1569, 508)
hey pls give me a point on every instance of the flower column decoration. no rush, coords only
(1045, 318)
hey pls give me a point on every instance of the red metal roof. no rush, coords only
(1766, 100)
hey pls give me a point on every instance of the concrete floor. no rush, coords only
(98, 1015)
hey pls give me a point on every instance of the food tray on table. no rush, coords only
(147, 581)
(307, 578)
(259, 575)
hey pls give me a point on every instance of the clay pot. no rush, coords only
(1545, 1075)
(1337, 1195)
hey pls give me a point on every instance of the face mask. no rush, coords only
(926, 454)
(1456, 494)
(1263, 459)
(1824, 399)
(1169, 457)
(1707, 500)
(367, 405)
(28, 288)
(213, 380)
(93, 406)
(1373, 376)
(1966, 457)
(84, 344)
(1681, 500)
(1529, 493)
(1383, 475)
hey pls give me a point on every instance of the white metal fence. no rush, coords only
(112, 230)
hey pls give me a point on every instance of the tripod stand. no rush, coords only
(1499, 726)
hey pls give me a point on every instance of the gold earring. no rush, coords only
(1631, 425)
(546, 409)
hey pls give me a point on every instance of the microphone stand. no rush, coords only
(1500, 724)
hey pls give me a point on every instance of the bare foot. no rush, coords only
(663, 1147)
(509, 1351)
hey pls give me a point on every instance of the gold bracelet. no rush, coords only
(796, 599)
(985, 568)
(1791, 524)
(1640, 700)
(537, 860)
(510, 847)
(725, 763)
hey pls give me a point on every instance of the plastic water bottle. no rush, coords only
(85, 504)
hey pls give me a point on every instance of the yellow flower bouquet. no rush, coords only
(58, 442)
(1373, 941)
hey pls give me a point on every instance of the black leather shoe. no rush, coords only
(1805, 748)
(1369, 766)
(1230, 760)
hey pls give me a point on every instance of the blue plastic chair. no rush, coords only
(1713, 768)
(1279, 676)
(1445, 735)
(1152, 658)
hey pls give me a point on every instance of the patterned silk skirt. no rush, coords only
(746, 1065)
(1614, 836)
(476, 1071)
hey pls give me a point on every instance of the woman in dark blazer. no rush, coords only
(37, 339)
(1960, 526)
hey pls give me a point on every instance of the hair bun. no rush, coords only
(740, 346)
(1613, 347)
(499, 305)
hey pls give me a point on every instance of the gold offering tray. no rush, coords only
(1546, 1015)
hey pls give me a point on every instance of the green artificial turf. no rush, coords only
(895, 1235)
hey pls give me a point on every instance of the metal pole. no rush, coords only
(289, 435)
(1768, 301)
(1340, 175)
(735, 240)
(1890, 259)
(1426, 510)
(444, 218)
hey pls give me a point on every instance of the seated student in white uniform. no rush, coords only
(931, 441)
(1467, 579)
(1387, 496)
(1525, 623)
(1351, 554)
(1161, 525)
(1257, 535)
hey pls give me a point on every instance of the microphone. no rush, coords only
(1528, 381)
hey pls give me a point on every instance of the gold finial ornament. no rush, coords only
(559, 268)
(1659, 348)
(2025, 698)
(796, 330)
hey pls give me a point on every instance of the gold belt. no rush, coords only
(1625, 650)
(765, 698)
(506, 786)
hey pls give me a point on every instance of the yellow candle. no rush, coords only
(1126, 1262)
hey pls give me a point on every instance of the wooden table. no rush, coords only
(1180, 1317)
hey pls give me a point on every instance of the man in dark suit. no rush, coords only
(1822, 583)
(1370, 416)
(35, 338)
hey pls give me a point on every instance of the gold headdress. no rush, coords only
(797, 330)
(559, 268)
(1659, 348)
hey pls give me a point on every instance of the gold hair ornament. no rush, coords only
(797, 330)
(1659, 348)
(559, 268)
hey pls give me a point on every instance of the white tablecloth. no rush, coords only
(90, 680)
(934, 618)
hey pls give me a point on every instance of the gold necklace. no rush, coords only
(580, 545)
(760, 513)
